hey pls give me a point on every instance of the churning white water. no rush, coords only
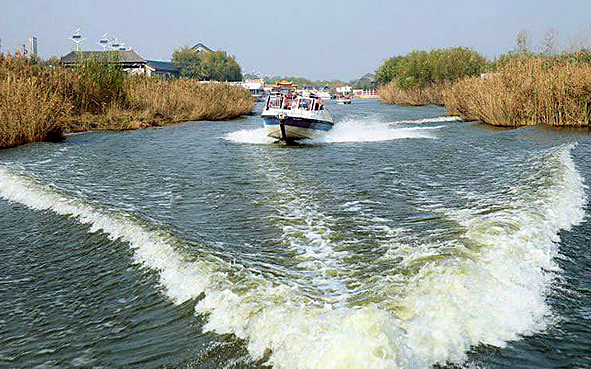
(349, 130)
(490, 290)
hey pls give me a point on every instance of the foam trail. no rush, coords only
(182, 280)
(253, 136)
(489, 295)
(430, 120)
(370, 131)
(485, 295)
(497, 292)
(306, 231)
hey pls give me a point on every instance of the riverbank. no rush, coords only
(41, 102)
(526, 91)
(517, 90)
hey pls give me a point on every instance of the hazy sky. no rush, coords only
(312, 38)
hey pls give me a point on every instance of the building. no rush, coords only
(201, 48)
(366, 94)
(161, 69)
(128, 60)
(322, 91)
(344, 90)
(33, 46)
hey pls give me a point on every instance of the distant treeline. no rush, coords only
(42, 100)
(425, 68)
(363, 82)
(206, 65)
(301, 81)
(419, 77)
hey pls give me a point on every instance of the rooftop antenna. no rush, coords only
(77, 38)
(104, 41)
(115, 44)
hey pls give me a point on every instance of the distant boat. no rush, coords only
(343, 99)
(289, 117)
(256, 88)
(343, 95)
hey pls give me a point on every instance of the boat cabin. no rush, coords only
(280, 101)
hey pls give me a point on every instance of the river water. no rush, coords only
(403, 239)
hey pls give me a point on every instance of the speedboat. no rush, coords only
(289, 117)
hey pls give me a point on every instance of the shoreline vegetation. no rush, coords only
(520, 88)
(41, 101)
(528, 90)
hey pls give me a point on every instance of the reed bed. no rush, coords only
(182, 100)
(30, 108)
(526, 91)
(40, 102)
(391, 93)
(29, 113)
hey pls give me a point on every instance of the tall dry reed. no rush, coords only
(391, 93)
(30, 109)
(182, 100)
(526, 91)
(38, 102)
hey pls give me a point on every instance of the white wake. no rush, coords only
(352, 130)
(492, 295)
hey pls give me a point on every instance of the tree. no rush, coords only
(421, 68)
(187, 61)
(388, 70)
(206, 66)
(218, 66)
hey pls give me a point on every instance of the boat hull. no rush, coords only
(293, 129)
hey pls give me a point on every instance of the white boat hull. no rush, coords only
(295, 124)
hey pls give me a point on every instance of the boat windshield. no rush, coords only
(274, 102)
(306, 103)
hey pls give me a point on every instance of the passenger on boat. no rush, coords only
(319, 104)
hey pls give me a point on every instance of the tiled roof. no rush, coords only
(162, 66)
(120, 56)
(201, 46)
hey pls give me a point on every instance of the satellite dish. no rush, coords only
(77, 38)
(104, 41)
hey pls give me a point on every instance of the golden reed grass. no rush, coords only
(39, 103)
(527, 91)
(182, 100)
(391, 93)
(28, 112)
(153, 102)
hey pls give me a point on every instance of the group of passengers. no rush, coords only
(305, 104)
